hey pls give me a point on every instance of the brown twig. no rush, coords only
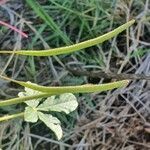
(108, 75)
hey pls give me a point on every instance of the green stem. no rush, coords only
(7, 117)
(75, 47)
(22, 99)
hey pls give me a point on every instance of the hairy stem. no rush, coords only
(22, 99)
(7, 117)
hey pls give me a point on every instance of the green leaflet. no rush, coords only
(75, 47)
(30, 114)
(66, 102)
(29, 92)
(53, 123)
(87, 88)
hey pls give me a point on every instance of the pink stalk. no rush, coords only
(13, 28)
(3, 2)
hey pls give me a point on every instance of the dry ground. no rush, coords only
(113, 120)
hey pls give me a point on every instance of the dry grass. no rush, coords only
(114, 120)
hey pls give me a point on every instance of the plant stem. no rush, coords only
(108, 75)
(22, 99)
(7, 117)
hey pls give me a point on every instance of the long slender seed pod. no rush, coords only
(75, 47)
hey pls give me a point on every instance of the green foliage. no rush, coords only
(66, 103)
(47, 18)
(52, 122)
(30, 114)
(39, 108)
(28, 92)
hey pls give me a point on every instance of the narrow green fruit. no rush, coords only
(87, 88)
(75, 47)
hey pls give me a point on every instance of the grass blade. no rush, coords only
(48, 20)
